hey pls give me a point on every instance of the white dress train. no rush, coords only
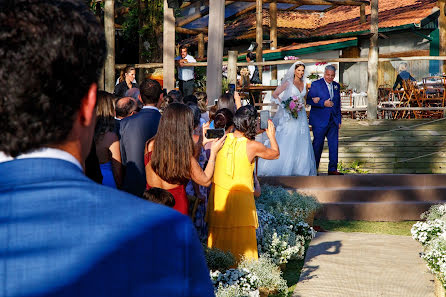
(293, 137)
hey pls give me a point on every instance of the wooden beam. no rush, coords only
(243, 11)
(273, 34)
(318, 2)
(259, 33)
(109, 25)
(215, 49)
(290, 8)
(189, 19)
(362, 18)
(168, 48)
(372, 88)
(200, 45)
(191, 31)
(442, 30)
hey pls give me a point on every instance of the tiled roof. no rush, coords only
(343, 19)
(296, 46)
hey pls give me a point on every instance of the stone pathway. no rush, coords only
(361, 264)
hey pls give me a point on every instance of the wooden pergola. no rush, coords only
(216, 11)
(215, 31)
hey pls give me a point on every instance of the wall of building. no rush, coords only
(355, 74)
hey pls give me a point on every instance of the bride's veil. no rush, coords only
(289, 77)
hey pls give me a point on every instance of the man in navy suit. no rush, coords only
(61, 234)
(135, 131)
(325, 117)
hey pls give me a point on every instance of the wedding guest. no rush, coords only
(232, 217)
(402, 75)
(126, 81)
(125, 107)
(159, 196)
(224, 118)
(185, 73)
(176, 96)
(227, 101)
(107, 141)
(168, 157)
(135, 131)
(202, 98)
(62, 234)
(190, 99)
(135, 93)
(192, 188)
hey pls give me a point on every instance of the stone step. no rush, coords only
(356, 180)
(375, 211)
(374, 197)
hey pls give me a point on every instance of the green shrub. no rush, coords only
(218, 259)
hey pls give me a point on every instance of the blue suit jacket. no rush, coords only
(61, 234)
(319, 114)
(135, 131)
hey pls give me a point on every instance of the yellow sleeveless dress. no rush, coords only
(232, 215)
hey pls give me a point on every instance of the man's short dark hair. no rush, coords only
(251, 56)
(181, 47)
(150, 91)
(160, 196)
(51, 52)
(125, 106)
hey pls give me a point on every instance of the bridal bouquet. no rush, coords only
(293, 105)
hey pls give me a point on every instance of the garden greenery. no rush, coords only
(432, 235)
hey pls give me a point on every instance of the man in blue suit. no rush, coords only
(325, 117)
(135, 131)
(61, 234)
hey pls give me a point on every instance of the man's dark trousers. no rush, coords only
(331, 131)
(187, 87)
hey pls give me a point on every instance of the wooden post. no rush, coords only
(372, 89)
(109, 26)
(259, 34)
(442, 30)
(273, 34)
(201, 45)
(215, 49)
(168, 48)
(362, 18)
(232, 67)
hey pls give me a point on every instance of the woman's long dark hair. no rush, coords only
(105, 112)
(245, 121)
(173, 144)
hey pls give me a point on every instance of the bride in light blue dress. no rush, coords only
(293, 135)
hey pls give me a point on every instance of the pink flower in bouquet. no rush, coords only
(292, 105)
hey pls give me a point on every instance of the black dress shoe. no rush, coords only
(335, 173)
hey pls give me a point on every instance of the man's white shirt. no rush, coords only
(186, 72)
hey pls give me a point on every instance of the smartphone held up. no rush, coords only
(264, 117)
(215, 133)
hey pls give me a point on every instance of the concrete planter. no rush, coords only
(439, 289)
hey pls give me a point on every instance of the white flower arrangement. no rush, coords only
(268, 273)
(432, 235)
(241, 278)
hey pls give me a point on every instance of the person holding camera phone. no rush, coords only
(293, 134)
(232, 217)
(169, 161)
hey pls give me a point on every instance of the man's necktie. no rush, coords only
(330, 90)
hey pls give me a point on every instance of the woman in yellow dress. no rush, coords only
(232, 216)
